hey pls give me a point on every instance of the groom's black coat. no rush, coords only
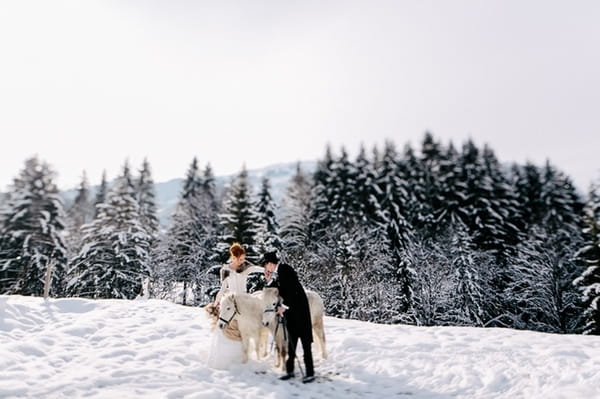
(294, 297)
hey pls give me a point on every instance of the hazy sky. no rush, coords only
(89, 84)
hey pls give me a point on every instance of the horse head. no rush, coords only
(271, 301)
(227, 310)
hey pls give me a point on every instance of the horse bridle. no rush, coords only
(235, 310)
(274, 309)
(280, 320)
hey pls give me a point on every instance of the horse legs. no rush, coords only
(282, 357)
(264, 341)
(258, 344)
(319, 334)
(277, 358)
(323, 345)
(245, 349)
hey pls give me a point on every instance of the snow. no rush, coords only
(73, 348)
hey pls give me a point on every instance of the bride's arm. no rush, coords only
(224, 287)
(255, 269)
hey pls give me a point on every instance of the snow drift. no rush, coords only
(73, 348)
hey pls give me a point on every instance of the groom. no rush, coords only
(296, 311)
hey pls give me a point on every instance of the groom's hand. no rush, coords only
(281, 309)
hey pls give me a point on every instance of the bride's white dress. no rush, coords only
(223, 351)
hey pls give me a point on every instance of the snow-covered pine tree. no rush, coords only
(563, 223)
(320, 215)
(184, 253)
(267, 236)
(239, 221)
(394, 230)
(527, 183)
(425, 185)
(341, 192)
(452, 191)
(481, 210)
(432, 283)
(589, 256)
(550, 209)
(295, 212)
(366, 189)
(100, 194)
(79, 213)
(207, 285)
(508, 216)
(474, 297)
(146, 197)
(535, 298)
(114, 259)
(409, 172)
(562, 205)
(209, 187)
(345, 280)
(31, 233)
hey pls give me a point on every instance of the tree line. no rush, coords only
(434, 235)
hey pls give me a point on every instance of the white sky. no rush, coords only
(88, 84)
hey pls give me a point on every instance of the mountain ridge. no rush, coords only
(167, 192)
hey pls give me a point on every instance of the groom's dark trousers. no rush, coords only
(297, 316)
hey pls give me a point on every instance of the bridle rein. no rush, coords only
(280, 320)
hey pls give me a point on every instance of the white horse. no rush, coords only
(247, 310)
(271, 300)
(280, 337)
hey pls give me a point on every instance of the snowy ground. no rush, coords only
(75, 348)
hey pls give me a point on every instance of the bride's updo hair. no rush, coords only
(236, 250)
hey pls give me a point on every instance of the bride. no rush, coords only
(226, 344)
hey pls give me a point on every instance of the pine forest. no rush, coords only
(432, 235)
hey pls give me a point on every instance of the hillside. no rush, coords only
(74, 348)
(167, 193)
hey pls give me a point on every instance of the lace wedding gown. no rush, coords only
(223, 351)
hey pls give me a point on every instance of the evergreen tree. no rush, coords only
(295, 212)
(527, 183)
(146, 198)
(481, 209)
(320, 214)
(550, 209)
(564, 225)
(184, 254)
(366, 190)
(79, 213)
(114, 259)
(341, 192)
(408, 171)
(432, 283)
(100, 194)
(342, 292)
(589, 256)
(474, 298)
(394, 230)
(267, 236)
(562, 207)
(533, 291)
(453, 190)
(209, 189)
(239, 220)
(31, 244)
(426, 188)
